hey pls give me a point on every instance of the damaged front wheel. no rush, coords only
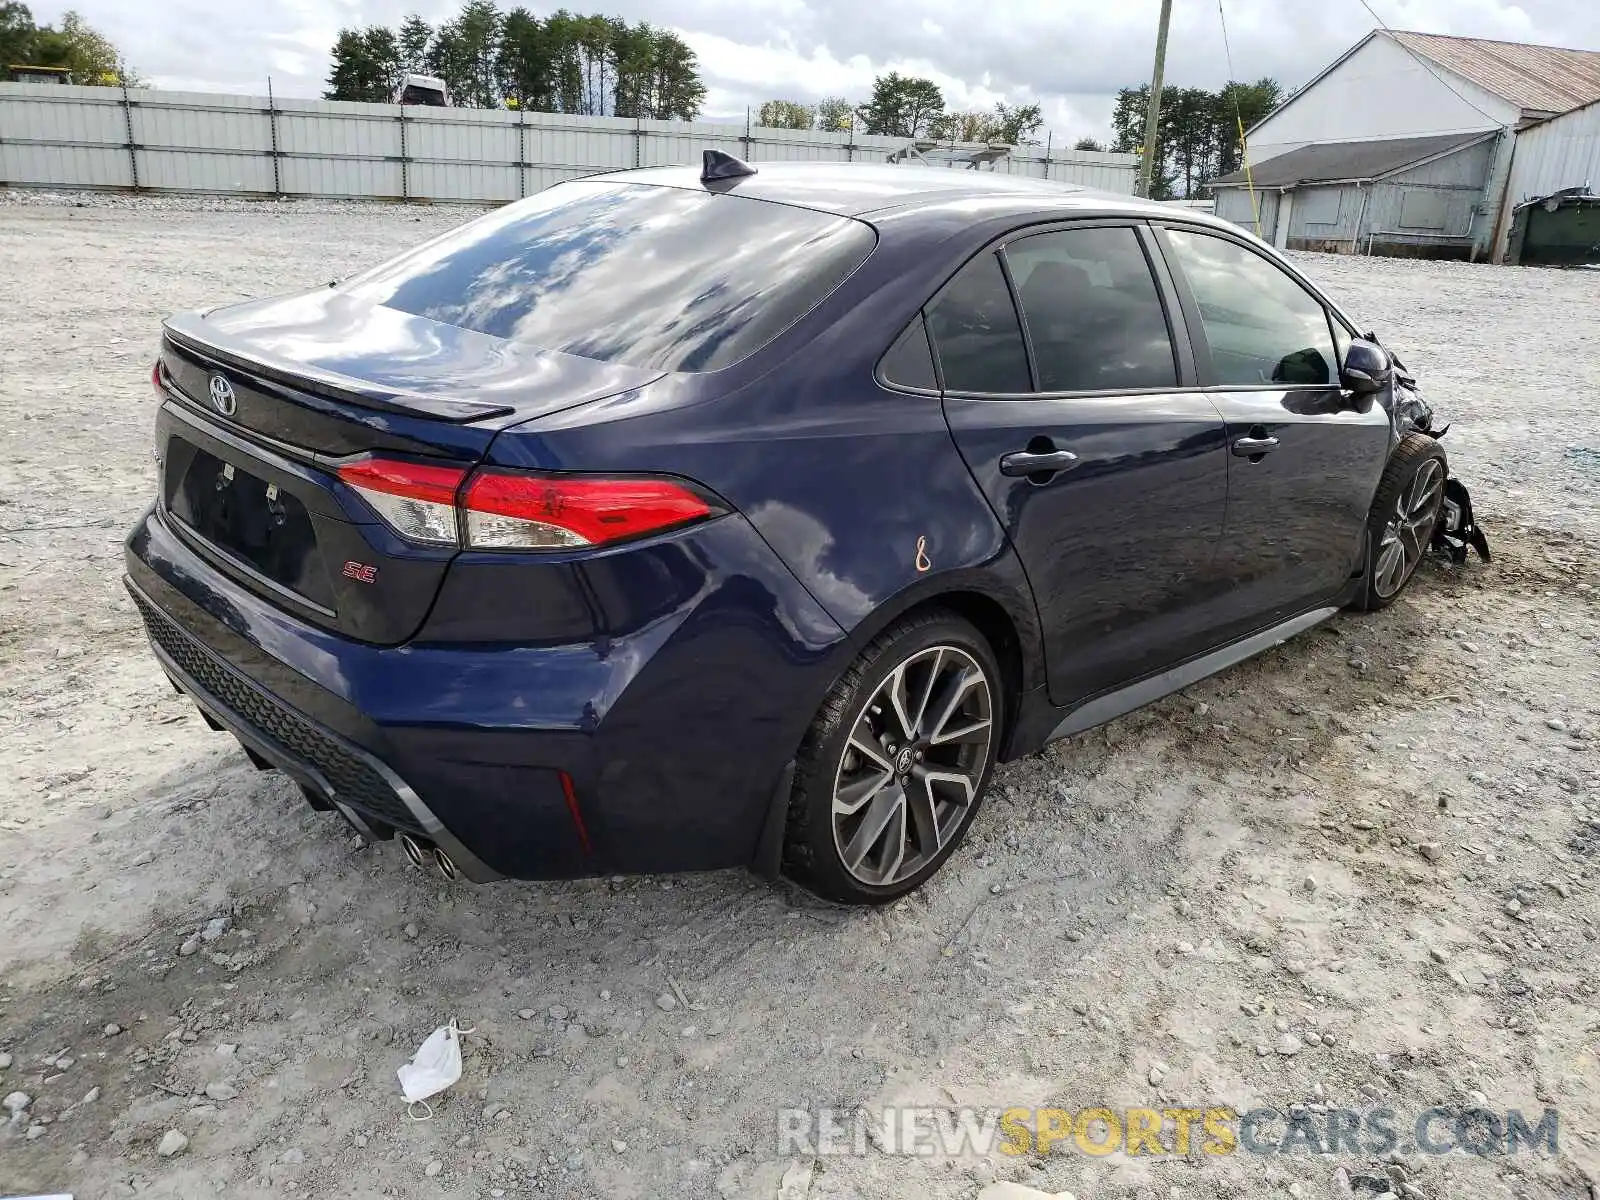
(1405, 512)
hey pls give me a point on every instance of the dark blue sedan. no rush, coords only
(674, 519)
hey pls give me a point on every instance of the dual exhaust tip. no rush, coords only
(421, 852)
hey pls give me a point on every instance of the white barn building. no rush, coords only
(1405, 144)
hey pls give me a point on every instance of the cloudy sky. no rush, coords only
(1069, 55)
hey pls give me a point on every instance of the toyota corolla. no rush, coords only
(684, 519)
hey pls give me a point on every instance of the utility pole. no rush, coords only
(1152, 121)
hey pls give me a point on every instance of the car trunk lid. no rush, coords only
(263, 403)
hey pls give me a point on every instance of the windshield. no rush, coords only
(647, 276)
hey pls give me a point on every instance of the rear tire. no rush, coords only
(1405, 512)
(893, 769)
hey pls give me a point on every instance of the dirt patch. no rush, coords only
(1377, 844)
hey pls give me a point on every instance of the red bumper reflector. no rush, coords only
(572, 807)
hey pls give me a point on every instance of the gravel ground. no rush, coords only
(1357, 872)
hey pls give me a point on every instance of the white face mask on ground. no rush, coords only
(435, 1066)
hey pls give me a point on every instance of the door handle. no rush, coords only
(1034, 462)
(1249, 447)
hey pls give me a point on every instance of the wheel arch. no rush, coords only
(1007, 620)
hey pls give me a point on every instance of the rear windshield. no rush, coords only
(656, 277)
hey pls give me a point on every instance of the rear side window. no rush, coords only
(1092, 311)
(909, 361)
(1261, 325)
(654, 277)
(974, 328)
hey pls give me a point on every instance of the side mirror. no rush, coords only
(1367, 368)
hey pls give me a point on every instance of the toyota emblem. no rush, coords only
(222, 397)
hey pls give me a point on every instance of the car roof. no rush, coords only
(859, 189)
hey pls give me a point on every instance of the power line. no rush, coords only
(1427, 66)
(1238, 112)
(1227, 50)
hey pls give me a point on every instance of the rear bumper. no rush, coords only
(670, 734)
(366, 791)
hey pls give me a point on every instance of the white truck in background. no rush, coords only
(427, 90)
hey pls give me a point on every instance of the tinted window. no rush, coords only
(1262, 326)
(974, 328)
(909, 361)
(1092, 311)
(648, 276)
(1341, 339)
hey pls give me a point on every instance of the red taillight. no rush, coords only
(533, 512)
(505, 510)
(414, 481)
(416, 500)
(155, 379)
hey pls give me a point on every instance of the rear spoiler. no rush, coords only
(189, 333)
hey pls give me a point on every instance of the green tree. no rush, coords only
(366, 66)
(902, 106)
(650, 73)
(1088, 143)
(593, 45)
(676, 93)
(562, 28)
(1016, 126)
(1011, 126)
(527, 62)
(1189, 125)
(1127, 120)
(786, 114)
(565, 63)
(88, 55)
(1242, 104)
(971, 126)
(631, 49)
(465, 54)
(19, 36)
(1198, 138)
(835, 114)
(415, 36)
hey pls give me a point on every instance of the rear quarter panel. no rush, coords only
(858, 488)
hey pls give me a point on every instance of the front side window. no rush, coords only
(1092, 311)
(1341, 339)
(1261, 325)
(656, 277)
(974, 328)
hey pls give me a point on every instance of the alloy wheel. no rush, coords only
(913, 765)
(1406, 536)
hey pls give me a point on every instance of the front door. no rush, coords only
(1109, 475)
(1304, 459)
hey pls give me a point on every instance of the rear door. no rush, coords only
(1304, 460)
(1081, 422)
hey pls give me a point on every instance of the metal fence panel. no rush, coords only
(191, 171)
(484, 182)
(356, 178)
(58, 136)
(459, 134)
(64, 166)
(82, 115)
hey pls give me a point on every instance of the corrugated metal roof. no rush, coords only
(1538, 78)
(1325, 162)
